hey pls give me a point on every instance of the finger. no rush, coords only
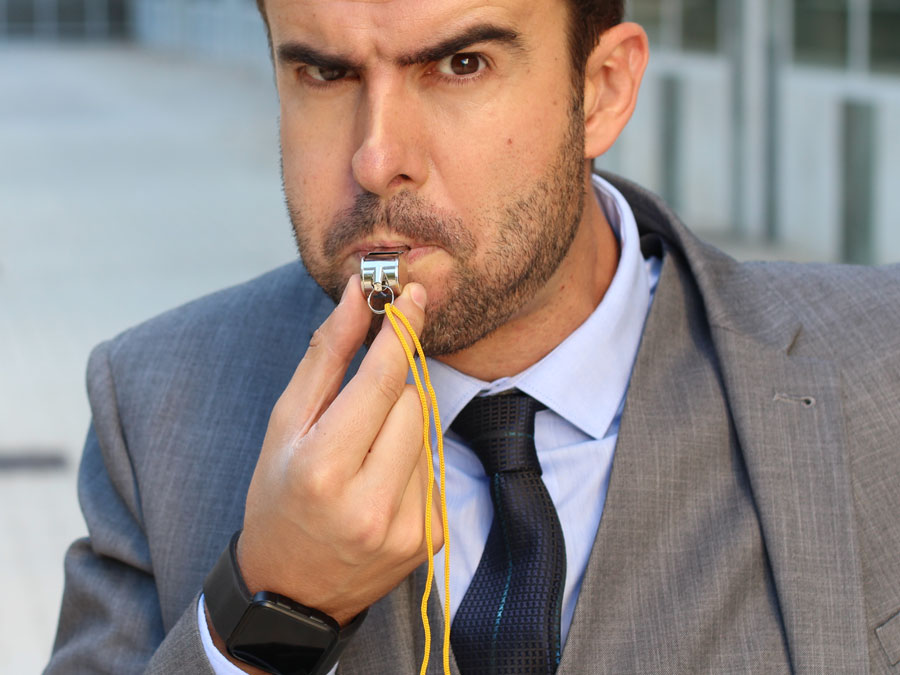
(318, 377)
(354, 419)
(407, 532)
(437, 529)
(396, 452)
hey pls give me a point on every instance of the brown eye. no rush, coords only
(326, 74)
(464, 64)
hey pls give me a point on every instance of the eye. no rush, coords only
(461, 64)
(326, 74)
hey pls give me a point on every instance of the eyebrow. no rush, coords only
(298, 52)
(457, 43)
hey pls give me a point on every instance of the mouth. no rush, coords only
(381, 247)
(412, 250)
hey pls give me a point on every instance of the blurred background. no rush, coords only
(139, 169)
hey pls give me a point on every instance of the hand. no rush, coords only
(335, 511)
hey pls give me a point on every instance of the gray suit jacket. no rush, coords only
(752, 522)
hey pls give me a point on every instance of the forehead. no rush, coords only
(388, 27)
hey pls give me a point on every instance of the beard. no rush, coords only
(534, 229)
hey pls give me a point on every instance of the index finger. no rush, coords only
(333, 345)
(357, 414)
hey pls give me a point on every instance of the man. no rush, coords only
(736, 511)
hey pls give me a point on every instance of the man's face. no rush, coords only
(448, 127)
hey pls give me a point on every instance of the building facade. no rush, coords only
(774, 121)
(54, 19)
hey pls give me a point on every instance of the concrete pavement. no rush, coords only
(130, 182)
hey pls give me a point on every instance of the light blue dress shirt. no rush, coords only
(583, 384)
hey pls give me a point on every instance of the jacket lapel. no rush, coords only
(787, 412)
(784, 395)
(678, 528)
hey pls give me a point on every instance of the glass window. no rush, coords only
(648, 14)
(820, 31)
(20, 17)
(71, 16)
(885, 41)
(699, 25)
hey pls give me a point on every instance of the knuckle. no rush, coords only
(290, 411)
(410, 395)
(389, 384)
(412, 543)
(371, 530)
(324, 344)
(318, 482)
(280, 415)
(410, 399)
(410, 540)
(318, 338)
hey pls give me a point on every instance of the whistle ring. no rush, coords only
(373, 291)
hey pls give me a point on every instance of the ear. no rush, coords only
(611, 82)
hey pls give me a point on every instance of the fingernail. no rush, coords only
(417, 295)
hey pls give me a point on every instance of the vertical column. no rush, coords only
(733, 40)
(96, 18)
(858, 144)
(780, 47)
(858, 177)
(750, 89)
(671, 18)
(46, 22)
(858, 18)
(671, 139)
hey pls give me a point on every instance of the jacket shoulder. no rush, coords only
(180, 408)
(851, 309)
(285, 296)
(235, 347)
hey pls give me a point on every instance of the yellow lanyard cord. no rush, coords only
(390, 310)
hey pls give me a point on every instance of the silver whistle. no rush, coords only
(383, 275)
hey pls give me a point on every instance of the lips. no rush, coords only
(412, 250)
(382, 246)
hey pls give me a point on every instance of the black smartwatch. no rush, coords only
(268, 630)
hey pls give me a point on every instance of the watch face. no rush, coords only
(269, 635)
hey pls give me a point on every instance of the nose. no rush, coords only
(391, 156)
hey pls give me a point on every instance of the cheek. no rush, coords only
(487, 165)
(302, 159)
(315, 169)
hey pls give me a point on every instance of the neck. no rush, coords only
(565, 302)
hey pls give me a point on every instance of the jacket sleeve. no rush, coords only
(110, 620)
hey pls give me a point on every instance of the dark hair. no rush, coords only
(587, 21)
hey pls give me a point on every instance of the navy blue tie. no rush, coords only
(508, 622)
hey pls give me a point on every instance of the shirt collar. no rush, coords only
(585, 377)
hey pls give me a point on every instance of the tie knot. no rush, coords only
(500, 431)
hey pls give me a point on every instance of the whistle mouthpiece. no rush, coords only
(382, 275)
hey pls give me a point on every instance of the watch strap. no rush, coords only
(225, 592)
(228, 598)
